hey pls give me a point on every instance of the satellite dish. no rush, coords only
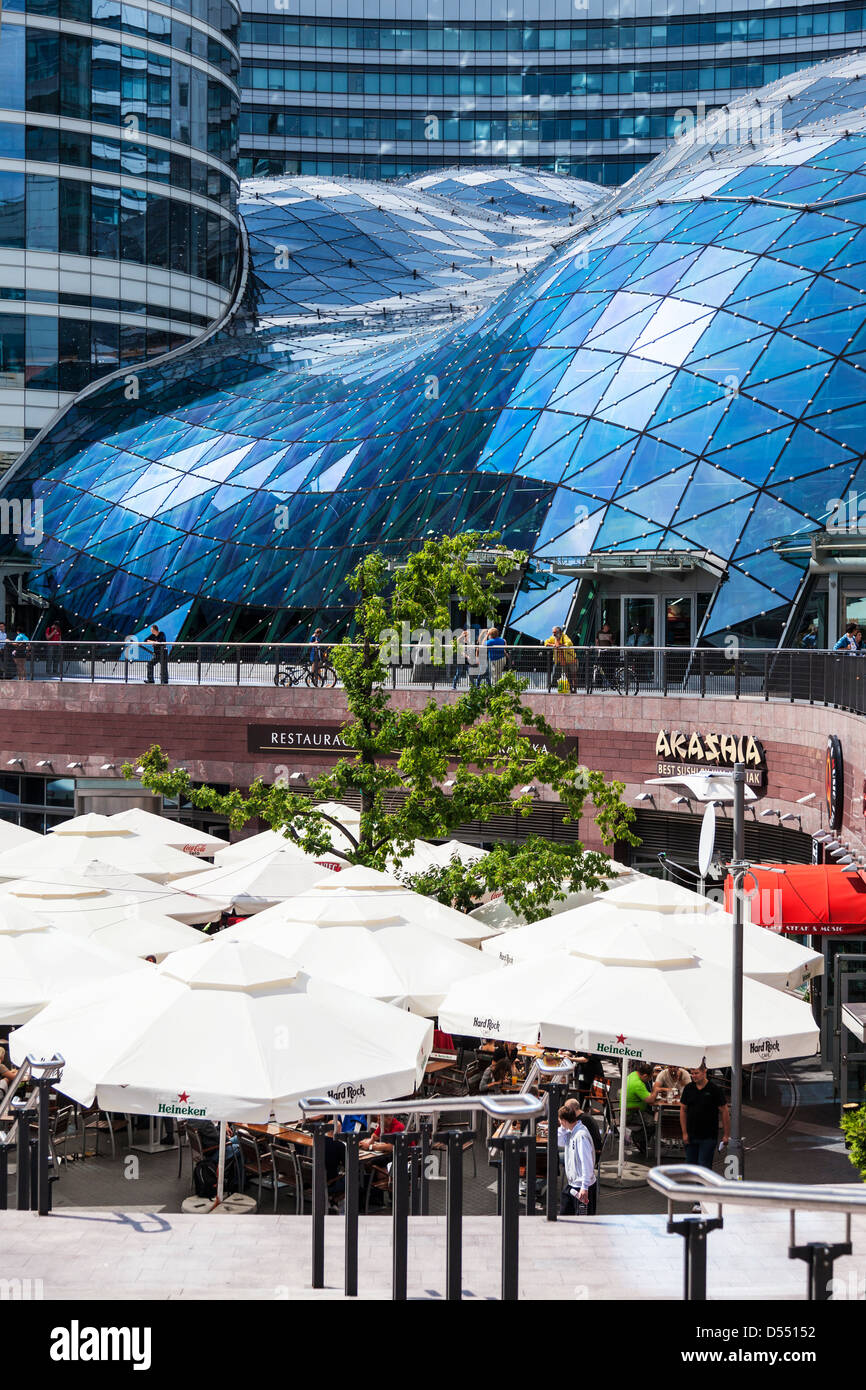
(707, 840)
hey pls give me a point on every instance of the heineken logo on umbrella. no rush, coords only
(619, 1048)
(179, 1107)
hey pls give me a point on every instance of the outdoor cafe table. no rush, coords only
(666, 1108)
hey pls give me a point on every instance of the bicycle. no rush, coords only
(621, 677)
(289, 675)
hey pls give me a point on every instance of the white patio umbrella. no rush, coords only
(770, 959)
(225, 1034)
(38, 963)
(81, 907)
(12, 835)
(358, 897)
(657, 894)
(77, 841)
(678, 1011)
(168, 832)
(259, 847)
(156, 898)
(257, 884)
(425, 856)
(497, 913)
(403, 964)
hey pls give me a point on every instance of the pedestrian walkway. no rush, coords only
(98, 1254)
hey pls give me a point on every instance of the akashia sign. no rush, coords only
(696, 752)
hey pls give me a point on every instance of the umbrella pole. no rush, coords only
(620, 1160)
(221, 1165)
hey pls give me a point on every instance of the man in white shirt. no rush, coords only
(579, 1188)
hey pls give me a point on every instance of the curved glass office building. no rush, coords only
(660, 396)
(592, 88)
(118, 189)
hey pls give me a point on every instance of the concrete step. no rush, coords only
(94, 1254)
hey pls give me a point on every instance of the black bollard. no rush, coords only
(694, 1230)
(820, 1258)
(400, 1216)
(320, 1189)
(426, 1129)
(4, 1177)
(352, 1198)
(42, 1189)
(511, 1145)
(454, 1216)
(22, 1156)
(555, 1093)
(530, 1170)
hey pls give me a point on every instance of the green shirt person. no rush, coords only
(637, 1093)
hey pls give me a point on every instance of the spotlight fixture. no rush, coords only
(46, 762)
(108, 767)
(789, 815)
(12, 762)
(801, 800)
(771, 812)
(299, 778)
(822, 836)
(645, 796)
(70, 767)
(680, 801)
(845, 859)
(830, 845)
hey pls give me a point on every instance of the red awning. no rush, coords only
(817, 898)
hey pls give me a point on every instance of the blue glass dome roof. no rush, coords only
(682, 371)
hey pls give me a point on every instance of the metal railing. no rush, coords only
(33, 1159)
(409, 1177)
(836, 679)
(683, 1182)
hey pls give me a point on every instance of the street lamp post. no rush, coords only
(738, 868)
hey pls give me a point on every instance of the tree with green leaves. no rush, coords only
(479, 742)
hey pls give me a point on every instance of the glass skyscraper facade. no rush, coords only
(591, 88)
(656, 391)
(119, 235)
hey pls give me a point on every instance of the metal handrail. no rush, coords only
(7, 1136)
(700, 1184)
(516, 1107)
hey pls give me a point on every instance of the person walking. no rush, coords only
(579, 1189)
(563, 669)
(53, 666)
(462, 643)
(702, 1105)
(848, 641)
(159, 654)
(19, 654)
(315, 655)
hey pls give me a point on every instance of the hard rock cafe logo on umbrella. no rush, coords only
(619, 1048)
(179, 1107)
(765, 1048)
(348, 1092)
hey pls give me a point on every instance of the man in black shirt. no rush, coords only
(701, 1104)
(156, 638)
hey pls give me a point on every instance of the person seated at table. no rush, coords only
(7, 1074)
(639, 1099)
(377, 1169)
(497, 1075)
(670, 1078)
(579, 1188)
(443, 1042)
(350, 1123)
(588, 1070)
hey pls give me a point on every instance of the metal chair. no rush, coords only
(96, 1121)
(63, 1135)
(287, 1172)
(258, 1162)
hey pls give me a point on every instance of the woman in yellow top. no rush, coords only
(563, 658)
